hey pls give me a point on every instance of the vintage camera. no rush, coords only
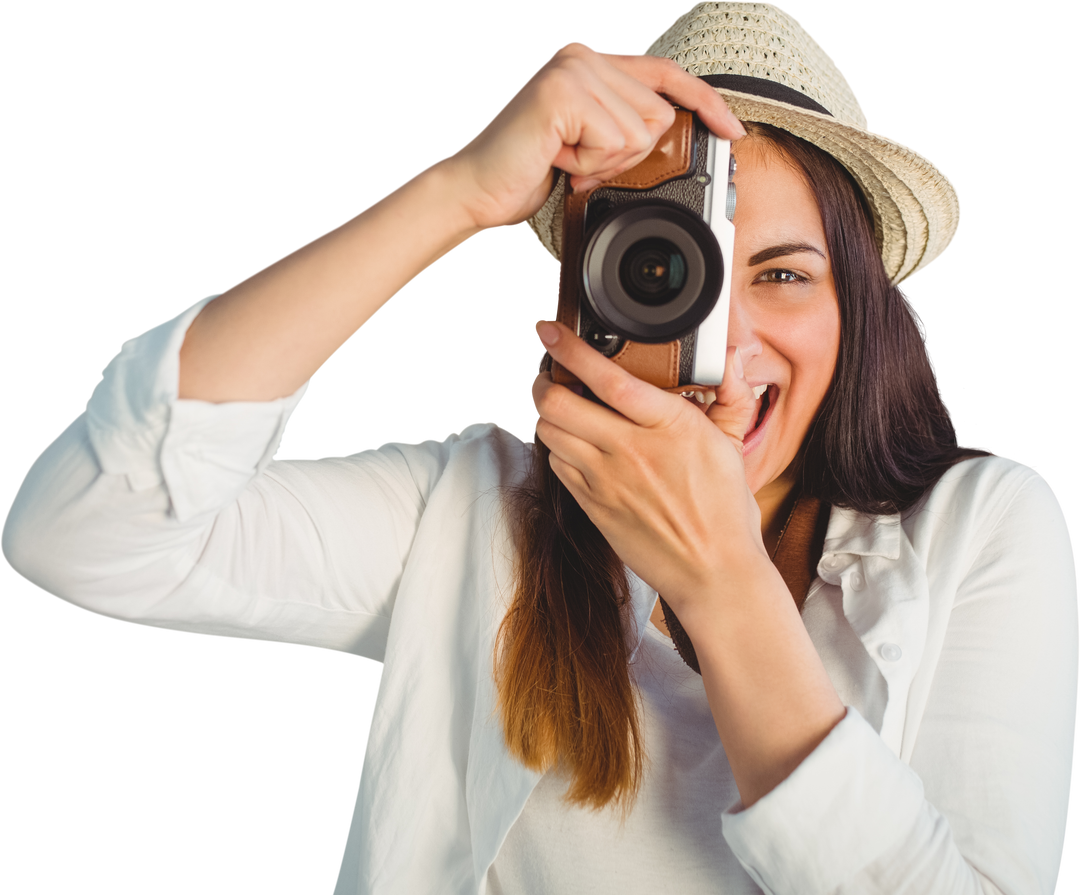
(646, 261)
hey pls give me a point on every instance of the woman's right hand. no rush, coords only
(588, 114)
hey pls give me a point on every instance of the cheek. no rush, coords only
(810, 342)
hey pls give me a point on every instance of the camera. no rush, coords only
(646, 261)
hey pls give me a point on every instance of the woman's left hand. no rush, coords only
(663, 481)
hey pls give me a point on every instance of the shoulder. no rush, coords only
(987, 505)
(982, 480)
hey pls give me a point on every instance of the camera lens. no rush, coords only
(653, 272)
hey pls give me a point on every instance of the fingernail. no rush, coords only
(736, 125)
(738, 364)
(548, 333)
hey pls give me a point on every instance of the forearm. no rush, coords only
(771, 697)
(264, 338)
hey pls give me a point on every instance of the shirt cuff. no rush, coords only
(848, 802)
(203, 453)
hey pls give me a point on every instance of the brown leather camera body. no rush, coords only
(674, 172)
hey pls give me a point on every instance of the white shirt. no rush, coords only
(171, 513)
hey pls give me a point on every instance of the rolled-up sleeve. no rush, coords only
(173, 513)
(981, 808)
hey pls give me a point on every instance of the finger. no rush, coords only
(599, 426)
(576, 457)
(603, 137)
(735, 407)
(579, 453)
(546, 393)
(612, 122)
(666, 77)
(625, 88)
(575, 482)
(648, 78)
(638, 401)
(608, 76)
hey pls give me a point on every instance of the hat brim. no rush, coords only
(914, 206)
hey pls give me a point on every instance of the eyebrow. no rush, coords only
(792, 248)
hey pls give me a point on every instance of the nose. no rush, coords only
(742, 332)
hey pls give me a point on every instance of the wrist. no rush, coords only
(444, 190)
(745, 589)
(460, 187)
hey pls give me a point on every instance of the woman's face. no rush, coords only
(784, 313)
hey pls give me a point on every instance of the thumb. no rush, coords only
(735, 407)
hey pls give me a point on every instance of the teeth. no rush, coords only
(709, 396)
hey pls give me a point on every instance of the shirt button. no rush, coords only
(831, 562)
(856, 581)
(890, 652)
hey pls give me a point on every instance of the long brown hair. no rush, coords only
(880, 439)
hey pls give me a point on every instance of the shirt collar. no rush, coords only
(855, 533)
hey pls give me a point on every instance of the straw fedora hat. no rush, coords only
(769, 70)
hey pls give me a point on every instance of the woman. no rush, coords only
(685, 521)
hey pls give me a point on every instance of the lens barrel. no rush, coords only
(652, 271)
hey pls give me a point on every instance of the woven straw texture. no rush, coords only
(915, 207)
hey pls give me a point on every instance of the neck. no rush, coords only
(775, 501)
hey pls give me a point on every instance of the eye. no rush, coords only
(780, 276)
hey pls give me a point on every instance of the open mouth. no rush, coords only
(766, 397)
(755, 434)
